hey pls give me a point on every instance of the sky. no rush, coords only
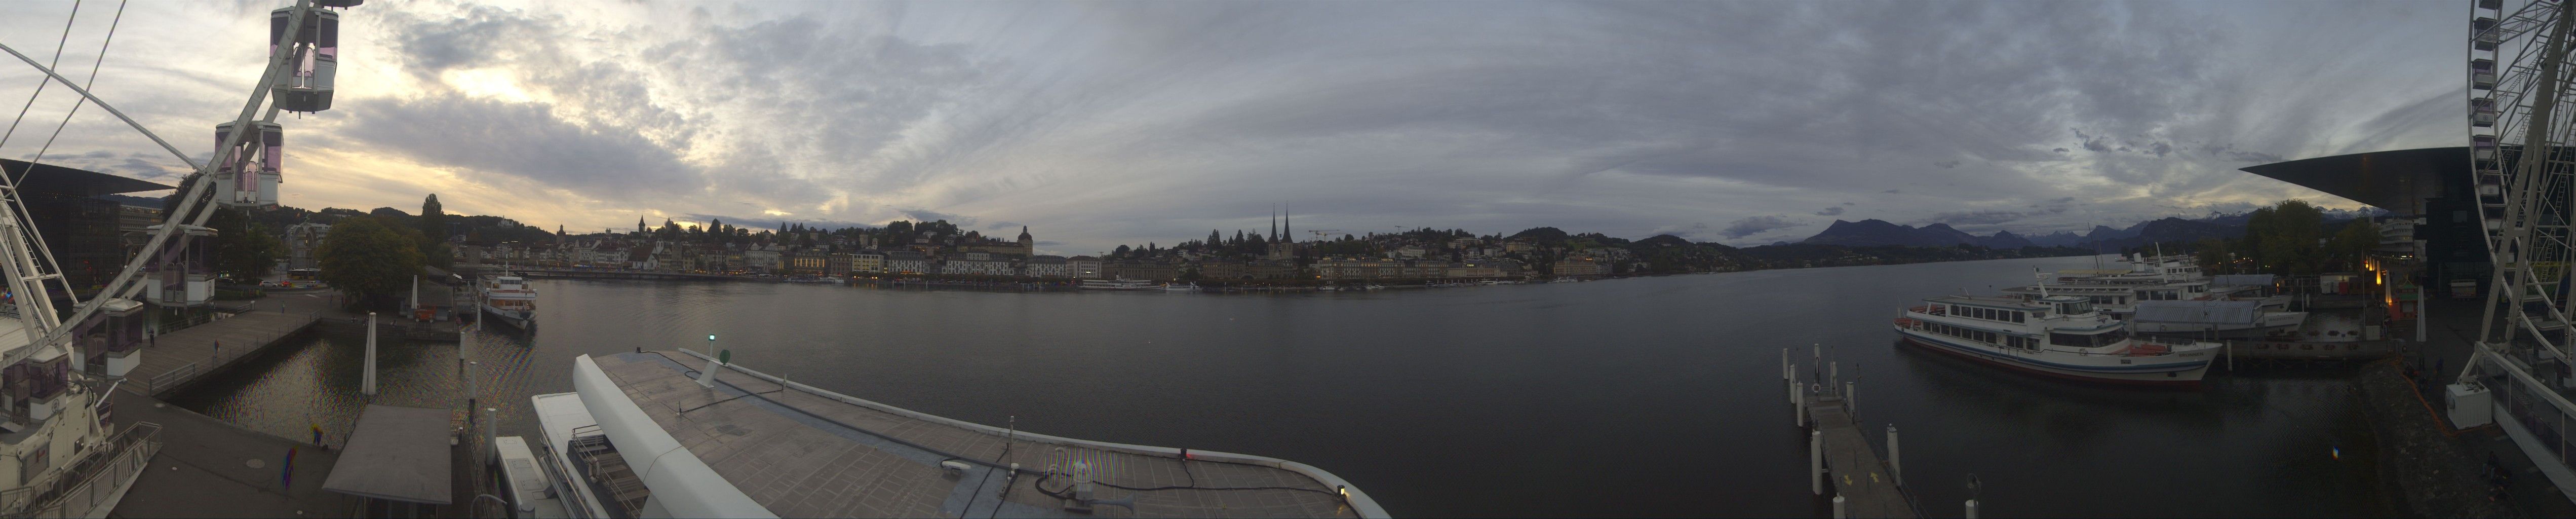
(1105, 123)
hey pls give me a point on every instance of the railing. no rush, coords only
(166, 378)
(77, 491)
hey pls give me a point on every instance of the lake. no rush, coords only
(1633, 397)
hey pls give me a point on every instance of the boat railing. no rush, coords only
(1928, 309)
(78, 490)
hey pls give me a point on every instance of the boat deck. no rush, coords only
(806, 453)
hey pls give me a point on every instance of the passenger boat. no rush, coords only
(2169, 295)
(1118, 284)
(2055, 336)
(680, 434)
(1193, 287)
(509, 298)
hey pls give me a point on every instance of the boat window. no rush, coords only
(2069, 340)
(2017, 316)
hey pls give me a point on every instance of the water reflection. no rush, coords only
(1642, 397)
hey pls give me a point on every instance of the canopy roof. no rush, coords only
(2396, 180)
(48, 178)
(396, 453)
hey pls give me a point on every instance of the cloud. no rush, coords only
(1135, 122)
(1831, 211)
(1757, 225)
(1975, 217)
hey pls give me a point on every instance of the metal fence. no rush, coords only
(93, 482)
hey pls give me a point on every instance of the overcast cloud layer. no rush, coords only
(1105, 123)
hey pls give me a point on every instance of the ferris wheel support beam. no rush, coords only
(187, 207)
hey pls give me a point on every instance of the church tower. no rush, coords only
(1028, 246)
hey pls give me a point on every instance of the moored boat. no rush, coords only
(1118, 284)
(2054, 336)
(509, 298)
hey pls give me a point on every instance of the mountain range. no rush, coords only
(2102, 238)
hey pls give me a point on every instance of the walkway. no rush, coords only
(208, 468)
(1857, 473)
(173, 360)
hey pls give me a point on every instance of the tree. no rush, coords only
(371, 262)
(433, 221)
(2349, 247)
(2212, 255)
(2285, 237)
(244, 250)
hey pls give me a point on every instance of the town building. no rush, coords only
(837, 264)
(1049, 266)
(868, 262)
(1082, 267)
(806, 263)
(977, 263)
(1581, 267)
(761, 260)
(906, 262)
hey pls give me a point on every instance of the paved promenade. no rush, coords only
(208, 468)
(174, 360)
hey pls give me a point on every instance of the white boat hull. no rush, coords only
(2183, 368)
(514, 318)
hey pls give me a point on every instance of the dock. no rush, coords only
(1859, 477)
(556, 273)
(178, 358)
(210, 467)
(1841, 464)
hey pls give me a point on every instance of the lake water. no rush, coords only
(1635, 397)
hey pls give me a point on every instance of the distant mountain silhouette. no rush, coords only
(1874, 232)
(1868, 233)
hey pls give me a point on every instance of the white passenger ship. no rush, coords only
(2056, 336)
(2169, 295)
(509, 298)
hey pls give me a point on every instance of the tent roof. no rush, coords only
(396, 453)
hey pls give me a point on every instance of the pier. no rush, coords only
(1839, 455)
(175, 359)
(550, 273)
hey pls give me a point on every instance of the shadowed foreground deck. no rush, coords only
(803, 452)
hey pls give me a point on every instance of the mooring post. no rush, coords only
(1816, 462)
(1784, 364)
(371, 355)
(1972, 509)
(1850, 406)
(1895, 458)
(1840, 512)
(1833, 373)
(1798, 399)
(1793, 384)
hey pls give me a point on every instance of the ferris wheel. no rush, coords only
(2521, 121)
(302, 62)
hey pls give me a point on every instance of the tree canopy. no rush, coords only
(2284, 238)
(244, 249)
(370, 261)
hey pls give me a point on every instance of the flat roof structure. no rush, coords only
(2396, 180)
(796, 451)
(396, 454)
(52, 179)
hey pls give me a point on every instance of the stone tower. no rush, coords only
(1028, 245)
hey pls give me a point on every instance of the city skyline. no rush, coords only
(1106, 124)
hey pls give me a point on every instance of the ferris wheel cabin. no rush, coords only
(250, 178)
(313, 58)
